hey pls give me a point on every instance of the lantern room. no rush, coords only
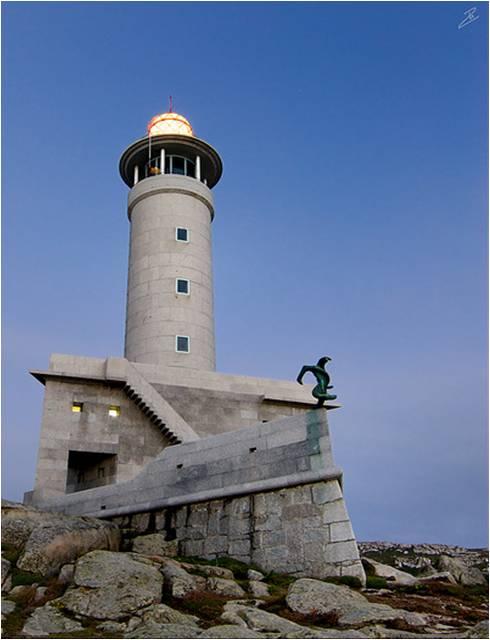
(170, 147)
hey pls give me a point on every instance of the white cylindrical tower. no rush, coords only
(169, 312)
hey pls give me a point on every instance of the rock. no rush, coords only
(155, 544)
(308, 596)
(442, 576)
(480, 630)
(113, 585)
(7, 585)
(468, 576)
(66, 573)
(178, 582)
(258, 620)
(358, 616)
(308, 632)
(19, 521)
(40, 595)
(112, 627)
(21, 590)
(50, 540)
(163, 614)
(5, 574)
(378, 631)
(394, 576)
(154, 630)
(230, 631)
(132, 624)
(254, 575)
(209, 570)
(49, 619)
(258, 589)
(7, 607)
(224, 587)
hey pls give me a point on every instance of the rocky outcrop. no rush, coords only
(113, 585)
(425, 559)
(468, 576)
(146, 594)
(313, 597)
(47, 541)
(258, 620)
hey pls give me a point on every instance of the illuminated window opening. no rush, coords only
(182, 234)
(182, 286)
(114, 411)
(182, 344)
(77, 407)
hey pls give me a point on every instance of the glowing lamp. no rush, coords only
(168, 124)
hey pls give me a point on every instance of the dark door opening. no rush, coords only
(87, 470)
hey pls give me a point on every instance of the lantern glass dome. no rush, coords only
(169, 124)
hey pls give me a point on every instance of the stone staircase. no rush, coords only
(151, 403)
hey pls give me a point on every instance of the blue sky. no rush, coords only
(351, 220)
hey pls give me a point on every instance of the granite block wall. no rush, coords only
(303, 530)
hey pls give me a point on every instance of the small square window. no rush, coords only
(182, 234)
(182, 286)
(114, 411)
(77, 407)
(182, 344)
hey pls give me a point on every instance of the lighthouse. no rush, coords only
(106, 419)
(169, 311)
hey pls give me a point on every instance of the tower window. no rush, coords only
(182, 286)
(114, 411)
(77, 407)
(182, 344)
(182, 234)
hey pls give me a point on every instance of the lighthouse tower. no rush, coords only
(169, 313)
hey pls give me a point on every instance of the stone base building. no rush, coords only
(158, 440)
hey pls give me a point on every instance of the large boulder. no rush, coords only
(18, 522)
(313, 597)
(50, 540)
(272, 625)
(258, 620)
(47, 620)
(468, 576)
(112, 585)
(392, 575)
